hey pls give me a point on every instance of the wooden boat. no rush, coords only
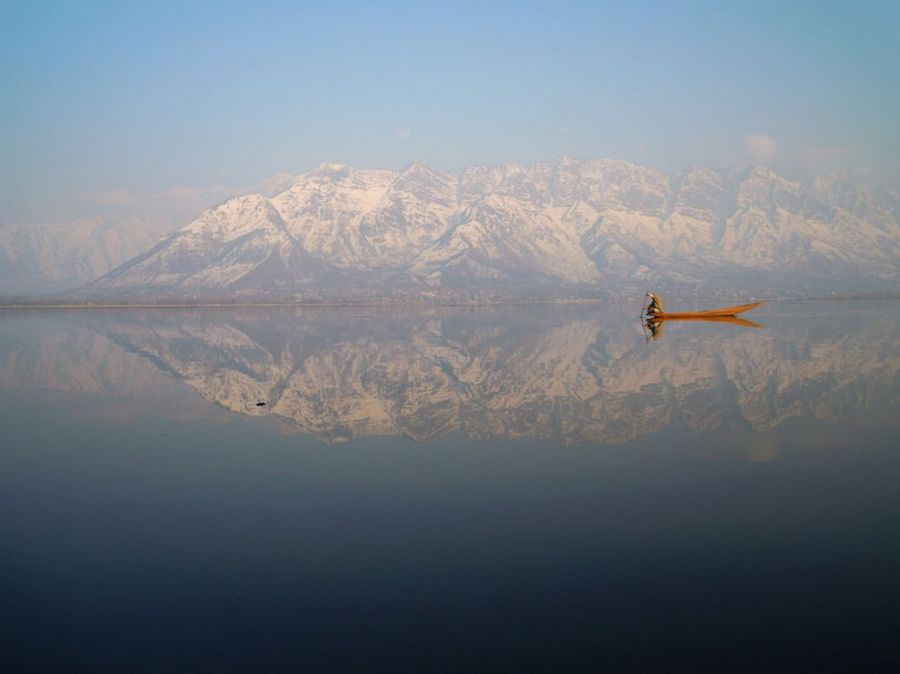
(654, 316)
(724, 312)
(731, 320)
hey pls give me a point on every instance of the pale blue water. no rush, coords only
(492, 489)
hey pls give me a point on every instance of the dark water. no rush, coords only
(506, 489)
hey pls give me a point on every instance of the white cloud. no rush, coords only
(761, 149)
(403, 134)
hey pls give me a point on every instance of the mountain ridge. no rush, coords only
(566, 226)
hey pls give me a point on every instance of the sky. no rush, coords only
(144, 97)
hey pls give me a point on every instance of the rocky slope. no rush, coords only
(593, 224)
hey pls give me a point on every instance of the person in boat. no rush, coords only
(654, 305)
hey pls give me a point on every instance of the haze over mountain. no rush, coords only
(107, 110)
(47, 257)
(61, 244)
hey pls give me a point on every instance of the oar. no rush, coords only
(641, 315)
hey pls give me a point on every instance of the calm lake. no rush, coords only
(451, 489)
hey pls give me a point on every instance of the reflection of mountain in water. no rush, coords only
(570, 375)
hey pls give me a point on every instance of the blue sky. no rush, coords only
(144, 96)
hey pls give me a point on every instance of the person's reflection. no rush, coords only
(654, 328)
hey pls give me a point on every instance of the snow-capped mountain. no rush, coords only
(566, 223)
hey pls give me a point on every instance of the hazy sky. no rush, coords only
(148, 95)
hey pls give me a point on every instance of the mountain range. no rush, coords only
(562, 228)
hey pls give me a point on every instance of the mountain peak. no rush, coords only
(417, 166)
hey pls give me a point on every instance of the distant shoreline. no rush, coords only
(243, 305)
(87, 306)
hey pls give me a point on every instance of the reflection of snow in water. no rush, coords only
(570, 374)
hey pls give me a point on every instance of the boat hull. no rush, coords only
(712, 313)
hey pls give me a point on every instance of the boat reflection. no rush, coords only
(653, 325)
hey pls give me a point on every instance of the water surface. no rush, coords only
(449, 489)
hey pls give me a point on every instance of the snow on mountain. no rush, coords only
(499, 237)
(241, 241)
(367, 219)
(565, 223)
